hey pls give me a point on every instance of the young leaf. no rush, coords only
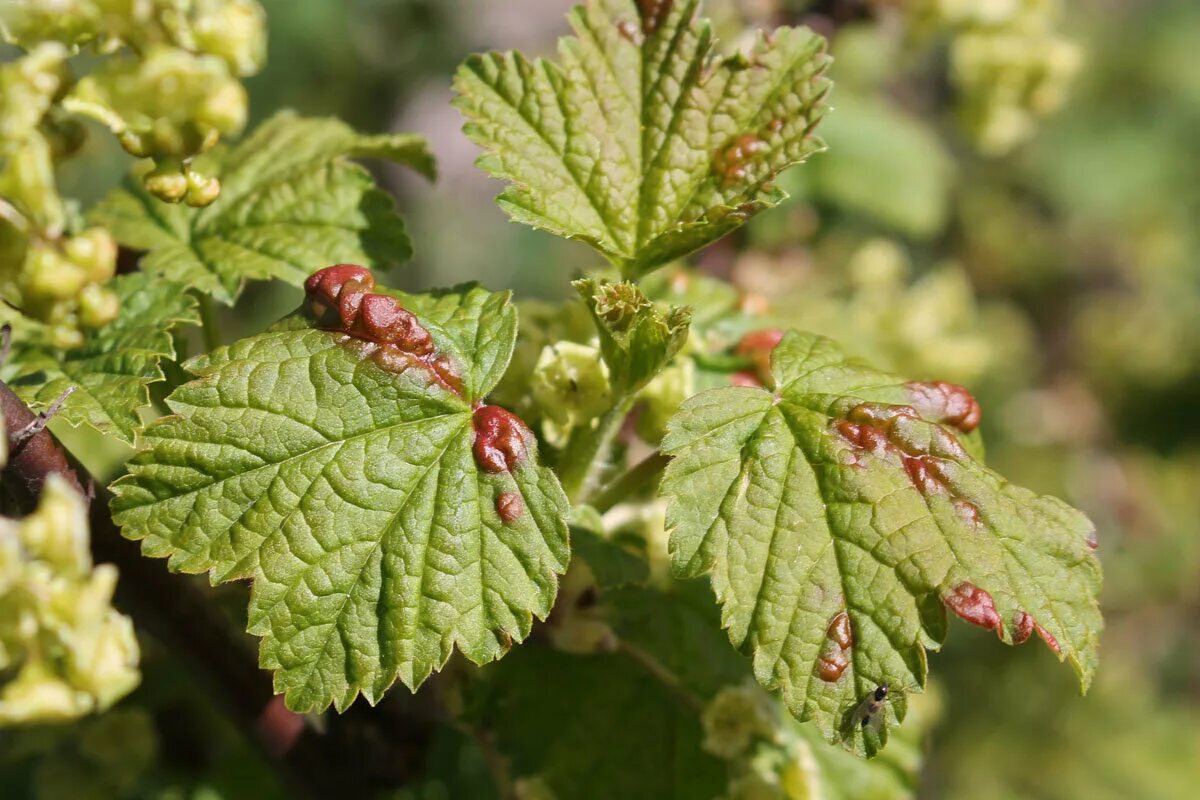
(384, 515)
(636, 339)
(111, 370)
(641, 142)
(289, 199)
(835, 512)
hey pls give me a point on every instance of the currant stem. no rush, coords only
(208, 321)
(646, 472)
(585, 452)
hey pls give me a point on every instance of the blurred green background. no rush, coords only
(1060, 281)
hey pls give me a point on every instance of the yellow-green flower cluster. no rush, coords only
(68, 652)
(1009, 64)
(48, 273)
(169, 90)
(767, 761)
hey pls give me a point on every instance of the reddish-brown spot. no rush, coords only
(732, 160)
(1093, 540)
(350, 300)
(923, 473)
(327, 283)
(863, 437)
(383, 319)
(839, 630)
(969, 513)
(324, 286)
(501, 439)
(377, 318)
(745, 379)
(945, 402)
(757, 346)
(1048, 638)
(775, 125)
(509, 506)
(976, 606)
(653, 12)
(1022, 627)
(835, 653)
(878, 428)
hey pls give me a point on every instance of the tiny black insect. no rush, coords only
(869, 711)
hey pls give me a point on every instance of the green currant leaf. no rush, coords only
(381, 519)
(838, 512)
(640, 141)
(289, 199)
(111, 370)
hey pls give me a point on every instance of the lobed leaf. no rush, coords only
(110, 372)
(640, 141)
(837, 514)
(341, 479)
(289, 199)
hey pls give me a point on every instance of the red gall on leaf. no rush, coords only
(377, 318)
(509, 506)
(945, 402)
(835, 653)
(501, 439)
(975, 606)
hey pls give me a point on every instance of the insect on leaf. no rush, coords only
(839, 514)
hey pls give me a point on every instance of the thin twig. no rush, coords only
(660, 672)
(38, 423)
(5, 342)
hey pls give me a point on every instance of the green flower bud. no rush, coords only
(570, 387)
(37, 694)
(735, 718)
(166, 182)
(133, 143)
(66, 337)
(28, 87)
(98, 306)
(56, 532)
(201, 190)
(661, 398)
(71, 654)
(51, 276)
(69, 22)
(618, 304)
(95, 250)
(234, 30)
(167, 103)
(224, 108)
